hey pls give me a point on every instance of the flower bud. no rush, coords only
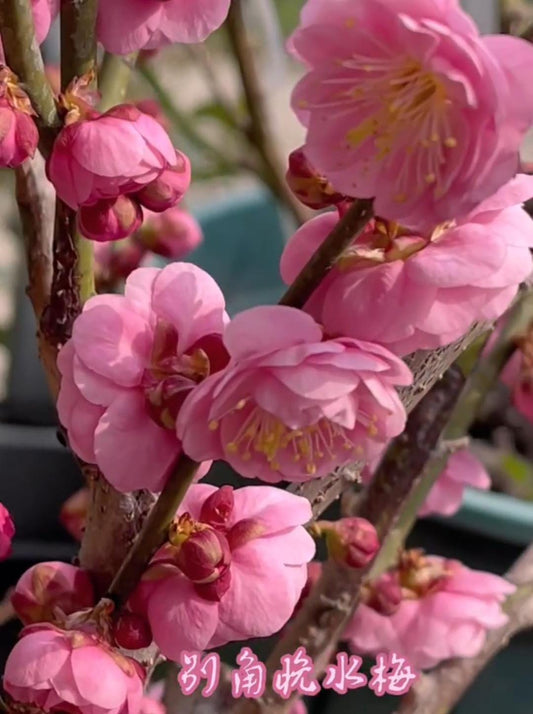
(171, 234)
(351, 541)
(218, 507)
(385, 594)
(115, 260)
(110, 219)
(310, 187)
(166, 190)
(203, 556)
(73, 514)
(132, 632)
(49, 590)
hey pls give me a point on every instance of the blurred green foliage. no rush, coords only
(289, 11)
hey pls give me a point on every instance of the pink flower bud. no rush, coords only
(49, 669)
(110, 219)
(49, 590)
(385, 594)
(203, 556)
(7, 531)
(172, 234)
(73, 514)
(168, 188)
(352, 541)
(218, 507)
(132, 632)
(310, 187)
(18, 134)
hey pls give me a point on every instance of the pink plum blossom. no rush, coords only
(104, 155)
(292, 405)
(128, 25)
(110, 219)
(130, 364)
(51, 589)
(410, 291)
(18, 133)
(171, 234)
(236, 570)
(58, 670)
(404, 101)
(463, 469)
(445, 612)
(44, 13)
(7, 531)
(518, 376)
(169, 187)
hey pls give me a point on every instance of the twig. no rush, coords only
(155, 529)
(24, 58)
(78, 39)
(259, 132)
(345, 231)
(114, 77)
(439, 691)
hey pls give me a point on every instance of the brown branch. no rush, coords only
(36, 207)
(260, 133)
(439, 691)
(78, 39)
(345, 231)
(23, 56)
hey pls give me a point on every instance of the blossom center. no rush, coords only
(171, 374)
(420, 576)
(402, 105)
(384, 242)
(264, 434)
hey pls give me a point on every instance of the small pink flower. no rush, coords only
(105, 155)
(44, 13)
(410, 291)
(129, 366)
(244, 581)
(110, 219)
(352, 542)
(50, 590)
(57, 670)
(445, 612)
(168, 189)
(405, 102)
(171, 234)
(115, 260)
(18, 134)
(463, 469)
(7, 531)
(291, 405)
(128, 25)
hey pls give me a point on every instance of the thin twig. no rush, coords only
(114, 77)
(345, 231)
(439, 691)
(259, 131)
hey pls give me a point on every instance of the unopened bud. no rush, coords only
(132, 632)
(50, 589)
(308, 185)
(385, 594)
(217, 509)
(166, 190)
(203, 555)
(110, 219)
(171, 234)
(351, 541)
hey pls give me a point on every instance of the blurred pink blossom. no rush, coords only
(445, 612)
(18, 133)
(44, 13)
(172, 234)
(7, 531)
(129, 366)
(128, 25)
(404, 101)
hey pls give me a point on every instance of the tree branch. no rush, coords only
(23, 56)
(439, 691)
(259, 132)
